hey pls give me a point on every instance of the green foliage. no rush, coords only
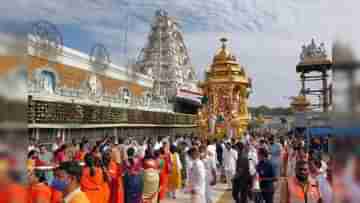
(265, 110)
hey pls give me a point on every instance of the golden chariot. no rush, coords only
(225, 90)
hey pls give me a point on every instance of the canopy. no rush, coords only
(347, 131)
(319, 132)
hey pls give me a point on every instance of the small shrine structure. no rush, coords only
(314, 67)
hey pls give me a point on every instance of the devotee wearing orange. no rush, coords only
(114, 172)
(73, 193)
(38, 190)
(10, 191)
(56, 196)
(175, 176)
(92, 181)
(96, 154)
(165, 171)
(106, 183)
(80, 154)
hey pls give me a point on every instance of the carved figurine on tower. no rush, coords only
(226, 87)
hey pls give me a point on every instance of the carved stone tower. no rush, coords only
(165, 57)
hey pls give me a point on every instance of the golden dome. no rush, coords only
(223, 54)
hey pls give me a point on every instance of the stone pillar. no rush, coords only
(37, 134)
(63, 135)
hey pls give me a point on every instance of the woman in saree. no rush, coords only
(151, 177)
(114, 173)
(175, 176)
(165, 171)
(92, 181)
(133, 178)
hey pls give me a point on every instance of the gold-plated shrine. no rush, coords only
(300, 104)
(226, 90)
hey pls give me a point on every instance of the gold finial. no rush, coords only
(223, 40)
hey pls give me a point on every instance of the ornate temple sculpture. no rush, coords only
(314, 67)
(313, 52)
(165, 57)
(226, 89)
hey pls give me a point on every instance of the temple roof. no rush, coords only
(223, 54)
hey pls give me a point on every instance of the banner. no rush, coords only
(189, 95)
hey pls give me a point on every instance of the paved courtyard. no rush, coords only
(221, 195)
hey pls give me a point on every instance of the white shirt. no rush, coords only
(210, 166)
(324, 188)
(54, 147)
(324, 167)
(253, 160)
(142, 150)
(197, 177)
(157, 146)
(230, 158)
(212, 150)
(352, 187)
(188, 163)
(31, 147)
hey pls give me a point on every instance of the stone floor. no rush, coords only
(181, 197)
(220, 195)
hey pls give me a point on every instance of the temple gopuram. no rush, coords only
(226, 90)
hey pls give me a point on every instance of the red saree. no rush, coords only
(164, 176)
(116, 184)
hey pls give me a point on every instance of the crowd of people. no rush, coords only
(146, 170)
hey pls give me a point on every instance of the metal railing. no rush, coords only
(45, 112)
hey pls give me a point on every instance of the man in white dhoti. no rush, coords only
(189, 163)
(230, 158)
(197, 178)
(210, 166)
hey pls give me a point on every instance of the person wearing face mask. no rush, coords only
(301, 188)
(72, 172)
